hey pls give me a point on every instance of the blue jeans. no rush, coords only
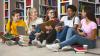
(80, 40)
(32, 36)
(70, 33)
(62, 34)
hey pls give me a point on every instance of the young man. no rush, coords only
(71, 20)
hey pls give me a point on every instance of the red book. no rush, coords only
(80, 49)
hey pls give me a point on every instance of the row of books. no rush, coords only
(99, 33)
(98, 21)
(28, 2)
(43, 11)
(6, 5)
(98, 10)
(88, 0)
(63, 8)
(49, 2)
(19, 5)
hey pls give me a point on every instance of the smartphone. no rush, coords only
(80, 30)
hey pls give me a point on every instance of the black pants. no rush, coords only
(50, 37)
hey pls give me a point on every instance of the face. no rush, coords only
(51, 13)
(83, 13)
(48, 27)
(70, 12)
(33, 14)
(16, 17)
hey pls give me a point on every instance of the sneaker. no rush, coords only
(57, 41)
(34, 42)
(39, 45)
(44, 43)
(53, 47)
(66, 48)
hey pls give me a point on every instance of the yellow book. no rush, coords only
(63, 9)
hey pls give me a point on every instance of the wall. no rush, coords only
(1, 17)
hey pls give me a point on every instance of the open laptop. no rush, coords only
(21, 30)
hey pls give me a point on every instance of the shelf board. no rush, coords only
(6, 9)
(98, 25)
(64, 1)
(6, 1)
(63, 14)
(21, 16)
(48, 6)
(6, 17)
(28, 6)
(87, 2)
(21, 1)
(97, 3)
(97, 14)
(19, 9)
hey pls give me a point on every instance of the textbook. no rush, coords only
(21, 30)
(80, 49)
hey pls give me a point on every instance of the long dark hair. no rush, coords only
(47, 17)
(89, 13)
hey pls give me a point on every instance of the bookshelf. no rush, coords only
(62, 5)
(6, 10)
(45, 4)
(23, 6)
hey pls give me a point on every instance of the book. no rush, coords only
(63, 7)
(21, 30)
(80, 49)
(6, 5)
(28, 2)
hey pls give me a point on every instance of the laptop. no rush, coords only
(21, 30)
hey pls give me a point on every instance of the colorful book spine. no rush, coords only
(63, 9)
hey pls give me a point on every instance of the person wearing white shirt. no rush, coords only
(69, 21)
(33, 24)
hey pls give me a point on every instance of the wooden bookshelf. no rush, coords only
(6, 10)
(23, 6)
(44, 5)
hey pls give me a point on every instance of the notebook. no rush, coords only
(21, 30)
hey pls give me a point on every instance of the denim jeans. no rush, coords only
(80, 40)
(32, 36)
(62, 35)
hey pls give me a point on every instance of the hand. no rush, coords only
(82, 33)
(37, 34)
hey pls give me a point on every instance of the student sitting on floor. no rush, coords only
(13, 23)
(86, 33)
(52, 19)
(33, 20)
(71, 20)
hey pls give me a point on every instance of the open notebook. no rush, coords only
(21, 30)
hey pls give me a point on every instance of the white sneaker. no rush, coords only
(65, 48)
(34, 42)
(44, 43)
(39, 45)
(53, 47)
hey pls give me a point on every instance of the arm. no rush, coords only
(93, 34)
(77, 23)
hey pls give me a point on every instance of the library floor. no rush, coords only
(34, 51)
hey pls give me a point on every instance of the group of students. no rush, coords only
(53, 33)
